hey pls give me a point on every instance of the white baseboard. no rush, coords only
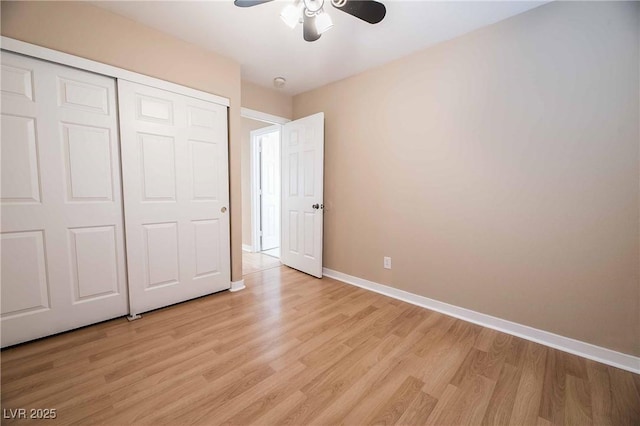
(247, 247)
(566, 344)
(237, 285)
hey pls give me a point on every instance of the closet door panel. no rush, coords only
(62, 231)
(176, 192)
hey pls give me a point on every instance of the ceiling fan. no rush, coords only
(315, 20)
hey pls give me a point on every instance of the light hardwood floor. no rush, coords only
(291, 349)
(254, 262)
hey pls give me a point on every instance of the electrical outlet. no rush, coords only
(387, 262)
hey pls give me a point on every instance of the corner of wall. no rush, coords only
(266, 100)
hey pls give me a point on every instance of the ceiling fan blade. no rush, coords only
(309, 31)
(249, 3)
(370, 11)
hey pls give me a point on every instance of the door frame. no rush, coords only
(256, 175)
(254, 170)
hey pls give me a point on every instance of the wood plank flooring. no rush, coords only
(255, 262)
(291, 349)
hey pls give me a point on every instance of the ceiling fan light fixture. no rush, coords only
(313, 6)
(323, 22)
(290, 15)
(315, 20)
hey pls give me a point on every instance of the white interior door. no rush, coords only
(62, 244)
(302, 194)
(270, 188)
(176, 193)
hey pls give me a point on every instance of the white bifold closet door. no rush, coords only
(63, 263)
(176, 195)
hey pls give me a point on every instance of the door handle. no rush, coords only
(318, 206)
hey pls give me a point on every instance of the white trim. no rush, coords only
(254, 180)
(262, 116)
(46, 54)
(247, 247)
(566, 344)
(237, 286)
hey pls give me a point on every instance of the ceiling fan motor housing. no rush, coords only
(314, 18)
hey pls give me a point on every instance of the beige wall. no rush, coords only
(270, 101)
(90, 32)
(248, 125)
(499, 171)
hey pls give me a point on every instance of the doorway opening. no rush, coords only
(261, 189)
(265, 189)
(284, 220)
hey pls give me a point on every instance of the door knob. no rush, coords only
(318, 206)
(223, 209)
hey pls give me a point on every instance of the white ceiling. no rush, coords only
(266, 48)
